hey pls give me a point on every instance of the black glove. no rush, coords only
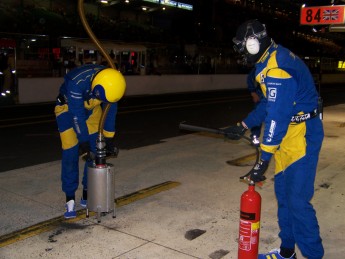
(235, 132)
(110, 148)
(258, 171)
(85, 151)
(84, 147)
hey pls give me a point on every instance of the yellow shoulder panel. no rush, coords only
(272, 62)
(278, 73)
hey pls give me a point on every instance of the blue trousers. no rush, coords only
(294, 189)
(70, 150)
(70, 168)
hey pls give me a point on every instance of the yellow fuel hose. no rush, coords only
(104, 53)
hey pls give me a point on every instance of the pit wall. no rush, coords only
(38, 90)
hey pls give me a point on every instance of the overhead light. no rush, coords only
(112, 2)
(337, 28)
(104, 1)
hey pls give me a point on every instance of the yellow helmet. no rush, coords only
(109, 85)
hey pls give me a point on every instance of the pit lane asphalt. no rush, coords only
(29, 133)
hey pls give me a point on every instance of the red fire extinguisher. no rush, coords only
(249, 229)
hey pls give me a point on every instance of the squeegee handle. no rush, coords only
(184, 126)
(245, 177)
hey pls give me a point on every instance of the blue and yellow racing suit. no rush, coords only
(78, 114)
(293, 134)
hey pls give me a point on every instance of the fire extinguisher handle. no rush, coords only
(244, 176)
(248, 181)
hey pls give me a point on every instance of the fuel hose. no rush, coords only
(104, 53)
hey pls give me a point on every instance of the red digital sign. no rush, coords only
(321, 15)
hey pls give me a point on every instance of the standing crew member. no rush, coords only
(293, 133)
(82, 97)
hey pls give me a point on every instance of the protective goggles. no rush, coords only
(240, 45)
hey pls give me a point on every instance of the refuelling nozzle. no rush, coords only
(100, 159)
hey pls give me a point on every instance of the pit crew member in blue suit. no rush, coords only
(293, 134)
(83, 95)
